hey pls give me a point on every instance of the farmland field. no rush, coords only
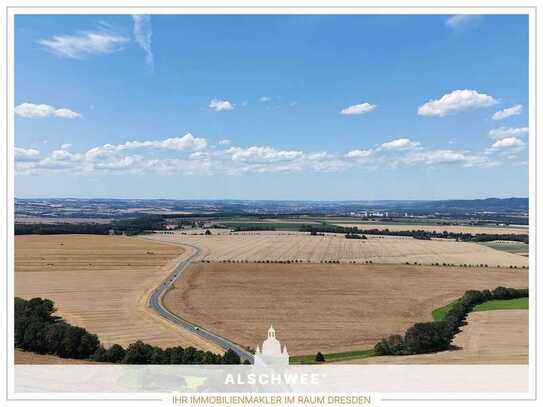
(508, 246)
(494, 337)
(30, 358)
(518, 230)
(101, 283)
(292, 246)
(327, 308)
(516, 303)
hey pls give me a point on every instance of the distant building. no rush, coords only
(171, 226)
(271, 354)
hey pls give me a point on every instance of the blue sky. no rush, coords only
(271, 107)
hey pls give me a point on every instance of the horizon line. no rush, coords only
(274, 200)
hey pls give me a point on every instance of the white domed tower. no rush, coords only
(271, 354)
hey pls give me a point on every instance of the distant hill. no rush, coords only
(59, 208)
(489, 204)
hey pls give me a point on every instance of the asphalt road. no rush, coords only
(156, 303)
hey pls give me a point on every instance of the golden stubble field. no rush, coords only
(492, 337)
(101, 283)
(322, 307)
(29, 358)
(281, 246)
(505, 230)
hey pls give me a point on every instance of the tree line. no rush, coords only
(417, 234)
(435, 336)
(252, 228)
(127, 226)
(38, 330)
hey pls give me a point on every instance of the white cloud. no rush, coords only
(220, 105)
(66, 114)
(263, 154)
(65, 146)
(399, 144)
(507, 143)
(264, 99)
(361, 108)
(142, 34)
(460, 20)
(456, 101)
(63, 155)
(83, 44)
(187, 142)
(437, 157)
(505, 113)
(31, 110)
(358, 154)
(191, 156)
(225, 142)
(130, 162)
(507, 132)
(26, 154)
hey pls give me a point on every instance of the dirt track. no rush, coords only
(493, 337)
(323, 308)
(101, 283)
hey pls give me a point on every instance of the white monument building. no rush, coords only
(271, 354)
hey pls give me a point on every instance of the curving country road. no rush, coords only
(156, 303)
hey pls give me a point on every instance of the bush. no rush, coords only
(115, 354)
(319, 357)
(231, 358)
(394, 345)
(427, 337)
(138, 353)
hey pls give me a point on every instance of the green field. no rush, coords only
(439, 313)
(516, 303)
(333, 357)
(507, 246)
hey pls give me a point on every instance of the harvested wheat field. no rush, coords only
(322, 307)
(492, 337)
(30, 358)
(491, 230)
(101, 283)
(301, 247)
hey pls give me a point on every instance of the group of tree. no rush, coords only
(435, 336)
(140, 353)
(252, 228)
(38, 330)
(125, 226)
(61, 228)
